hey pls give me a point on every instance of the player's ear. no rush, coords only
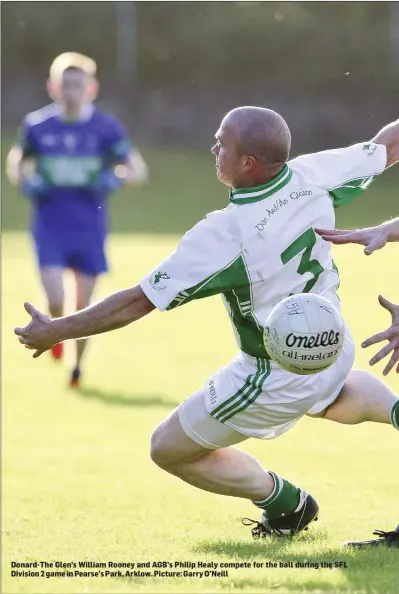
(52, 90)
(93, 88)
(249, 162)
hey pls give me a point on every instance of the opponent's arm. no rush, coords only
(373, 238)
(21, 165)
(113, 312)
(389, 136)
(131, 170)
(18, 166)
(128, 165)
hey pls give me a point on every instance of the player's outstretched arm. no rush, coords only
(113, 312)
(389, 136)
(373, 238)
(391, 335)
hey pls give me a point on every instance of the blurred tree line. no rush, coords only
(173, 68)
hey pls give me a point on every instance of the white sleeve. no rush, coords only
(202, 265)
(345, 172)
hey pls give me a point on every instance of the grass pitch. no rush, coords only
(78, 483)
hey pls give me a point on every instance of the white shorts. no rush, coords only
(257, 398)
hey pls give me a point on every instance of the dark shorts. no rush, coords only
(88, 259)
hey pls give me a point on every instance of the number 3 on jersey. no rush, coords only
(304, 243)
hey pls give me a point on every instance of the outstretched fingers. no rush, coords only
(392, 362)
(386, 304)
(376, 338)
(341, 236)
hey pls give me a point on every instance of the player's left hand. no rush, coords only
(40, 334)
(391, 334)
(373, 238)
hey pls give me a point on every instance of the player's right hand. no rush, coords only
(374, 238)
(40, 334)
(33, 187)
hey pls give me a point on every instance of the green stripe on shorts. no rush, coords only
(231, 402)
(247, 394)
(250, 397)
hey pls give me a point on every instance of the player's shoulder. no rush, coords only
(106, 119)
(217, 225)
(217, 217)
(42, 115)
(328, 157)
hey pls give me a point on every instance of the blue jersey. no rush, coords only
(70, 155)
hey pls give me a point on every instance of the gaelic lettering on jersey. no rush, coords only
(270, 211)
(297, 195)
(158, 279)
(279, 205)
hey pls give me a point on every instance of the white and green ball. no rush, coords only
(304, 333)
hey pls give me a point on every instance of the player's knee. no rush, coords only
(84, 290)
(161, 451)
(83, 299)
(320, 415)
(56, 306)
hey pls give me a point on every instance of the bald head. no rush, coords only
(260, 132)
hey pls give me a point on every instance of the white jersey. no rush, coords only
(263, 247)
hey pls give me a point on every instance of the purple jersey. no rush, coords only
(70, 155)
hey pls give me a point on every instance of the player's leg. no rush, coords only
(385, 538)
(53, 285)
(85, 285)
(226, 471)
(51, 260)
(87, 261)
(364, 397)
(356, 396)
(195, 447)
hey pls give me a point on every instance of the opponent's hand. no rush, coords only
(33, 187)
(391, 335)
(374, 238)
(40, 334)
(108, 182)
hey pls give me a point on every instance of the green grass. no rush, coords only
(78, 483)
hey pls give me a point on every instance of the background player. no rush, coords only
(375, 238)
(274, 208)
(80, 156)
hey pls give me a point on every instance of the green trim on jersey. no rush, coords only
(247, 195)
(349, 190)
(234, 283)
(217, 283)
(246, 395)
(335, 268)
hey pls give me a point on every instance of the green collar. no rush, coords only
(246, 195)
